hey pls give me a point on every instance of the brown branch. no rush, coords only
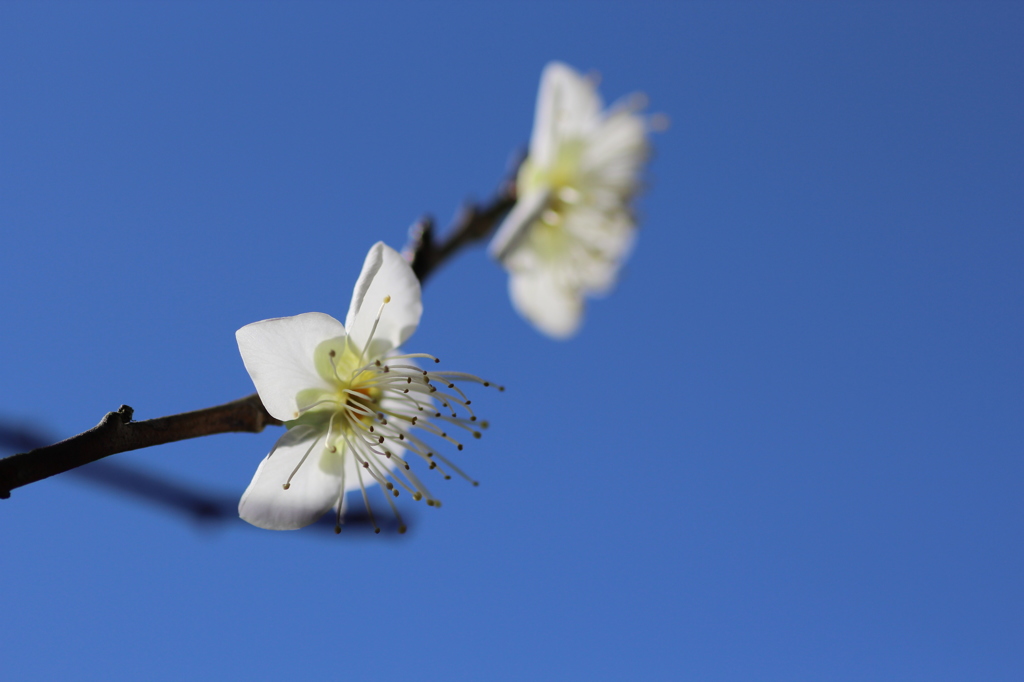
(118, 433)
(474, 223)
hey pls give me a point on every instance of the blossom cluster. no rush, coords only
(357, 408)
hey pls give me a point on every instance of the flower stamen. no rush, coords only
(330, 356)
(376, 320)
(366, 501)
(288, 484)
(341, 497)
(325, 401)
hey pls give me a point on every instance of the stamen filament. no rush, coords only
(307, 408)
(341, 496)
(373, 330)
(456, 469)
(425, 356)
(467, 377)
(334, 366)
(288, 483)
(365, 464)
(401, 524)
(366, 501)
(431, 500)
(461, 423)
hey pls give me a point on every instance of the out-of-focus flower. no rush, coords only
(572, 225)
(349, 400)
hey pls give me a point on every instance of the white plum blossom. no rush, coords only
(572, 225)
(349, 399)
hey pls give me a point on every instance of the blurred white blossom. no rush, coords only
(349, 400)
(572, 225)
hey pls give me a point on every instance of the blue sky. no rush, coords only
(787, 447)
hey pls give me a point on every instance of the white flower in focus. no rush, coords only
(572, 225)
(349, 400)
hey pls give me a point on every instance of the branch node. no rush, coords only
(116, 433)
(420, 249)
(473, 223)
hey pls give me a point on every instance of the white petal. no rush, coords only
(567, 106)
(607, 236)
(312, 490)
(616, 153)
(278, 354)
(526, 211)
(385, 273)
(554, 309)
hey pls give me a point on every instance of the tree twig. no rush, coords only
(118, 433)
(474, 223)
(202, 507)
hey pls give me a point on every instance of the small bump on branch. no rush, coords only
(116, 433)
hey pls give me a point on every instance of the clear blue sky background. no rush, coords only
(788, 446)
